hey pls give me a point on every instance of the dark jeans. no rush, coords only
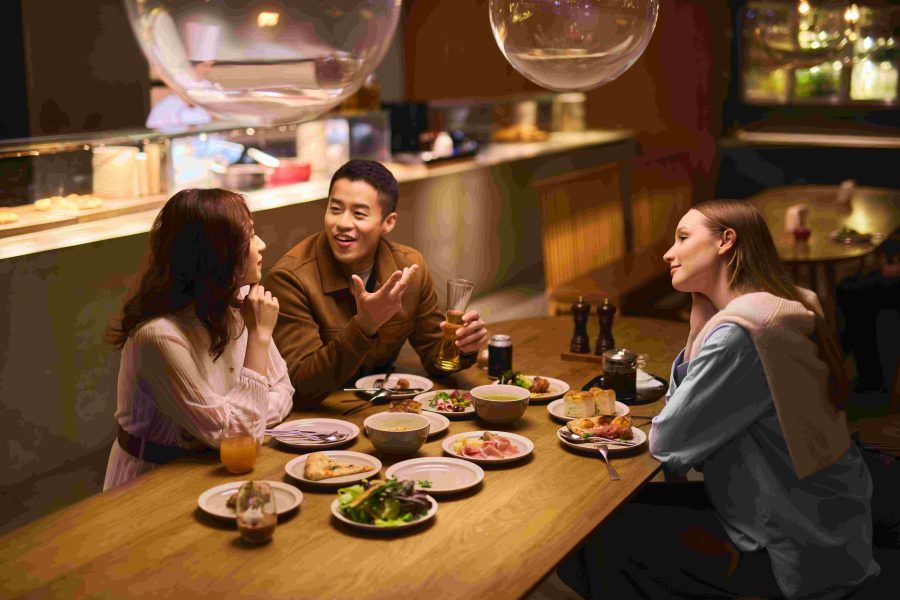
(860, 299)
(667, 543)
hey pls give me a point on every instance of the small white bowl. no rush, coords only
(397, 433)
(500, 411)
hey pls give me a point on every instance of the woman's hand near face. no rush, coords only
(260, 312)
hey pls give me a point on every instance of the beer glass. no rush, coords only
(458, 293)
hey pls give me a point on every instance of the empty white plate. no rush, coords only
(444, 474)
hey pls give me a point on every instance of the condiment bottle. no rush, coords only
(581, 310)
(605, 314)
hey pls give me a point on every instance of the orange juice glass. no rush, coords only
(237, 451)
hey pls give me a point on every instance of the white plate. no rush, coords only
(296, 467)
(525, 446)
(639, 438)
(445, 474)
(556, 410)
(558, 387)
(415, 381)
(425, 398)
(318, 426)
(213, 500)
(336, 511)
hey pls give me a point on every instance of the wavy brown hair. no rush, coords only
(754, 265)
(199, 246)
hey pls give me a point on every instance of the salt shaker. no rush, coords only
(605, 314)
(581, 310)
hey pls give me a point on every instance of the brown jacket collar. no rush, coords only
(332, 271)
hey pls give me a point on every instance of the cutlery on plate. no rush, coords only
(577, 439)
(602, 448)
(392, 390)
(311, 436)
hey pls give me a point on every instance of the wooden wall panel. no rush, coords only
(662, 192)
(583, 223)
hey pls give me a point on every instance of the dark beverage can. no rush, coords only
(499, 355)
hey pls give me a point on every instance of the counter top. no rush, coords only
(824, 140)
(267, 199)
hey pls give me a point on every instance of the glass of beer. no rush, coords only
(237, 449)
(458, 293)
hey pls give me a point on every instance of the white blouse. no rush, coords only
(171, 392)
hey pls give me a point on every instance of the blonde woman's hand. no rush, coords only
(260, 312)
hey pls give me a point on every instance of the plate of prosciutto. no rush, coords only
(488, 447)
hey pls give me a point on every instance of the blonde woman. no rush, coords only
(755, 403)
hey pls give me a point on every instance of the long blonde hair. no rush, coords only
(753, 264)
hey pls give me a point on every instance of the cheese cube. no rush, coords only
(579, 405)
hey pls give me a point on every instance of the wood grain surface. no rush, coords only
(148, 537)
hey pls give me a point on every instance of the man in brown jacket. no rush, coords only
(349, 299)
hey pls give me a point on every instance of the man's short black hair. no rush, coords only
(376, 175)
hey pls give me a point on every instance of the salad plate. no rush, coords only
(591, 448)
(435, 396)
(558, 387)
(317, 425)
(214, 501)
(438, 474)
(557, 410)
(523, 445)
(373, 502)
(296, 468)
(415, 382)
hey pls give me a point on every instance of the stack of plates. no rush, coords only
(115, 172)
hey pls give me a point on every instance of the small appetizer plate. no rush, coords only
(558, 387)
(316, 425)
(415, 382)
(336, 511)
(445, 475)
(524, 445)
(296, 468)
(556, 410)
(214, 500)
(425, 398)
(591, 448)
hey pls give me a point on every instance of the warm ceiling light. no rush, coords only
(267, 19)
(803, 7)
(851, 15)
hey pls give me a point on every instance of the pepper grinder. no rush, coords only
(605, 314)
(580, 313)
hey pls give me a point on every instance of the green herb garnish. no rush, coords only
(424, 483)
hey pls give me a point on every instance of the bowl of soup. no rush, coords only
(397, 433)
(500, 403)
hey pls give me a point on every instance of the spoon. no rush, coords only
(570, 436)
(382, 394)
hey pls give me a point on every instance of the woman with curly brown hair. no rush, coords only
(197, 358)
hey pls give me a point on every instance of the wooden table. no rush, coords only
(149, 538)
(871, 210)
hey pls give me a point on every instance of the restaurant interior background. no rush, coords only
(705, 112)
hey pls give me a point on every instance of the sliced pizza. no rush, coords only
(319, 466)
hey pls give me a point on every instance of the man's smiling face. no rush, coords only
(354, 223)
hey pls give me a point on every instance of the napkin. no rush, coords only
(646, 381)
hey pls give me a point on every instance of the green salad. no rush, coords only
(517, 379)
(383, 503)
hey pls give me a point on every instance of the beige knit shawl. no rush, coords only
(815, 431)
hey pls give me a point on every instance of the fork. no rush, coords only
(602, 449)
(382, 394)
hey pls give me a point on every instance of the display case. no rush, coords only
(820, 52)
(55, 181)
